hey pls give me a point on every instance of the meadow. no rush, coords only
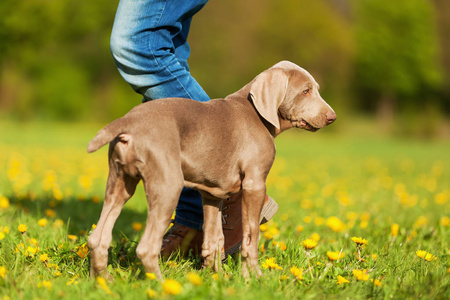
(361, 216)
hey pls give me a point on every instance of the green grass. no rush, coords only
(367, 181)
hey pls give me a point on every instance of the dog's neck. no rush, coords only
(243, 96)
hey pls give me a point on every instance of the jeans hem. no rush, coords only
(189, 223)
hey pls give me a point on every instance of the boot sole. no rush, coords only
(268, 211)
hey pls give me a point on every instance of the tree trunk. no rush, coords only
(385, 112)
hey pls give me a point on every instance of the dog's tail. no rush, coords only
(106, 135)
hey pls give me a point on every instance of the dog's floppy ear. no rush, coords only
(267, 92)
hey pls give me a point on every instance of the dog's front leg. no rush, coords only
(252, 203)
(213, 239)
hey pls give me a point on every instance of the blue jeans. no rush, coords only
(149, 46)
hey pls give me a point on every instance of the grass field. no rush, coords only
(394, 194)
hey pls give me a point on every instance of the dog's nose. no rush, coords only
(331, 117)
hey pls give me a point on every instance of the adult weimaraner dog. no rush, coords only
(218, 147)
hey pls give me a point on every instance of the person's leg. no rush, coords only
(149, 46)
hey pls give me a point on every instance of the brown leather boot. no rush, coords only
(181, 238)
(232, 220)
(232, 223)
(186, 239)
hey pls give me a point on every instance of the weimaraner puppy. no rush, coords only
(218, 147)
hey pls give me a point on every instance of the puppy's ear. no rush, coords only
(267, 92)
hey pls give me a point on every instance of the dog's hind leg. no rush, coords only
(120, 187)
(163, 192)
(213, 238)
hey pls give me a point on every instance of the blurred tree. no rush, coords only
(232, 41)
(443, 21)
(397, 55)
(54, 56)
(55, 61)
(315, 36)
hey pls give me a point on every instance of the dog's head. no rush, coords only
(289, 94)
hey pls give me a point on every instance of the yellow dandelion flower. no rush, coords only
(318, 221)
(361, 275)
(151, 293)
(271, 232)
(299, 228)
(102, 283)
(150, 276)
(42, 222)
(194, 278)
(58, 223)
(73, 280)
(2, 235)
(96, 199)
(5, 229)
(4, 202)
(281, 245)
(360, 241)
(172, 287)
(57, 194)
(85, 182)
(374, 256)
(22, 228)
(19, 248)
(31, 251)
(421, 222)
(72, 237)
(83, 251)
(263, 227)
(50, 213)
(421, 253)
(262, 249)
(172, 263)
(333, 256)
(341, 280)
(307, 219)
(47, 284)
(137, 226)
(43, 258)
(3, 271)
(215, 276)
(376, 282)
(364, 224)
(297, 272)
(445, 221)
(335, 224)
(309, 244)
(271, 264)
(394, 230)
(315, 237)
(430, 257)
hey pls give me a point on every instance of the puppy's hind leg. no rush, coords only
(119, 188)
(162, 197)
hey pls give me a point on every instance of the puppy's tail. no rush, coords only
(106, 135)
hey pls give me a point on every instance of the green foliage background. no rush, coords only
(388, 59)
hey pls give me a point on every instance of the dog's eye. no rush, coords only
(306, 91)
